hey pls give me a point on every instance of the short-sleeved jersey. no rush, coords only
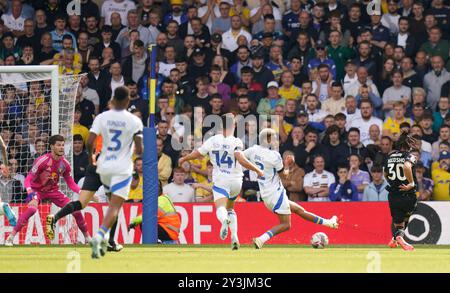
(271, 163)
(45, 174)
(221, 151)
(394, 170)
(117, 129)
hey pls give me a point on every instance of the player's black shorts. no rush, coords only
(92, 179)
(402, 206)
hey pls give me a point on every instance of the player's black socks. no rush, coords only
(399, 232)
(68, 209)
(112, 233)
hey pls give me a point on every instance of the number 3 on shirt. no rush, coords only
(224, 160)
(115, 139)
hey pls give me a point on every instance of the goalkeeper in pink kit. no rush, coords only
(42, 183)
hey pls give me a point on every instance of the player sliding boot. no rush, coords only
(224, 229)
(113, 246)
(9, 213)
(332, 223)
(50, 227)
(405, 245)
(9, 240)
(393, 243)
(98, 246)
(258, 243)
(235, 243)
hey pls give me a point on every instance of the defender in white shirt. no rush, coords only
(225, 152)
(272, 190)
(121, 132)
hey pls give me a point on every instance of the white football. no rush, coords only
(319, 240)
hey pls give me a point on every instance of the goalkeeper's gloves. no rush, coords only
(31, 194)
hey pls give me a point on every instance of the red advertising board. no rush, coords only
(360, 223)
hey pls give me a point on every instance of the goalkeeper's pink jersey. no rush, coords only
(45, 173)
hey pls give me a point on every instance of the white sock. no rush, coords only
(266, 236)
(221, 214)
(234, 224)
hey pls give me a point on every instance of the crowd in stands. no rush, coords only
(339, 80)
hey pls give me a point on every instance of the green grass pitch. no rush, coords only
(220, 259)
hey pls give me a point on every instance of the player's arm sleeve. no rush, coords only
(34, 172)
(206, 146)
(138, 138)
(412, 159)
(69, 179)
(96, 125)
(278, 163)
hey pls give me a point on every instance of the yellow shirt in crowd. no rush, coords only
(393, 126)
(292, 93)
(138, 192)
(441, 179)
(81, 130)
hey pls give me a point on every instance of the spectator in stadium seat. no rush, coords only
(294, 141)
(41, 26)
(115, 6)
(363, 79)
(46, 53)
(8, 48)
(164, 163)
(107, 42)
(358, 177)
(410, 77)
(391, 126)
(366, 121)
(137, 101)
(230, 37)
(14, 19)
(426, 123)
(302, 49)
(273, 99)
(424, 185)
(335, 147)
(340, 119)
(28, 56)
(77, 128)
(260, 72)
(343, 189)
(29, 36)
(397, 92)
(314, 113)
(74, 24)
(441, 178)
(11, 190)
(80, 158)
(443, 109)
(243, 60)
(376, 190)
(218, 87)
(87, 109)
(135, 65)
(178, 191)
(292, 178)
(434, 80)
(311, 148)
(59, 32)
(322, 58)
(203, 191)
(89, 93)
(354, 146)
(99, 80)
(317, 182)
(221, 23)
(444, 135)
(335, 103)
(216, 105)
(15, 170)
(287, 89)
(137, 183)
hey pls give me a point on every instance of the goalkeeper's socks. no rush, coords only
(68, 209)
(102, 231)
(320, 221)
(221, 214)
(233, 222)
(266, 236)
(23, 218)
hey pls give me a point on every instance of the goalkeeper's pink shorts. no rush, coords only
(56, 197)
